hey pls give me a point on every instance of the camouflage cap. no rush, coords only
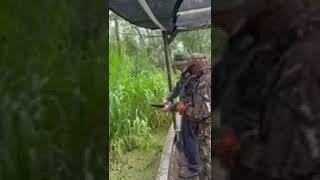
(181, 58)
(197, 55)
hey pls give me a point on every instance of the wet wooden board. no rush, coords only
(169, 167)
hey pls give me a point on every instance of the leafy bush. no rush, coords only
(52, 90)
(131, 91)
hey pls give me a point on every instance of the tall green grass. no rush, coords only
(52, 90)
(133, 85)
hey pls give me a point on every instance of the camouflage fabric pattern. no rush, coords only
(198, 63)
(204, 140)
(291, 123)
(289, 141)
(197, 56)
(201, 116)
(286, 112)
(201, 99)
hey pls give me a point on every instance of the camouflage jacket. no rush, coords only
(290, 122)
(184, 87)
(286, 114)
(200, 109)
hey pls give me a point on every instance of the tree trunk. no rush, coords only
(140, 36)
(117, 34)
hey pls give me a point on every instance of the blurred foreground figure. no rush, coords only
(269, 82)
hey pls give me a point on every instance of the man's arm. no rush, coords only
(174, 92)
(170, 97)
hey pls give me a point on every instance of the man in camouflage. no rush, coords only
(270, 102)
(199, 111)
(184, 89)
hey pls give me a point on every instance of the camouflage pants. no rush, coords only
(204, 140)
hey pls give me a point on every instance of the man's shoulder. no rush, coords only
(205, 80)
(207, 74)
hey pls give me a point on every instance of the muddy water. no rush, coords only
(140, 164)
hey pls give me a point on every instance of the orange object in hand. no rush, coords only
(181, 107)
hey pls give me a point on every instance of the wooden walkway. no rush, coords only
(218, 173)
(169, 167)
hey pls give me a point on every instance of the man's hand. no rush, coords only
(165, 102)
(166, 108)
(180, 107)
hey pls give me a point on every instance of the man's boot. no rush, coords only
(183, 161)
(185, 172)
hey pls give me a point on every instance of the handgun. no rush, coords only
(157, 105)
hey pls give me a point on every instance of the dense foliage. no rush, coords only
(131, 91)
(52, 90)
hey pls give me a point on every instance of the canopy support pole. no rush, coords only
(168, 62)
(169, 74)
(172, 36)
